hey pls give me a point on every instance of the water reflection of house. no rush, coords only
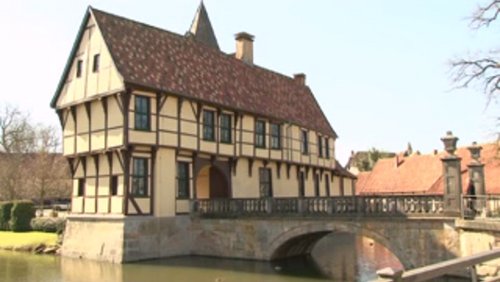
(423, 174)
(152, 119)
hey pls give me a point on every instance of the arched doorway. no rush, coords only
(211, 183)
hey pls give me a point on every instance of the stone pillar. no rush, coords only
(476, 176)
(452, 177)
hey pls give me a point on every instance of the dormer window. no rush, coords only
(95, 65)
(79, 68)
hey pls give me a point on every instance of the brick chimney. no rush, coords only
(300, 78)
(244, 47)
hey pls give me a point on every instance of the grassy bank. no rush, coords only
(26, 240)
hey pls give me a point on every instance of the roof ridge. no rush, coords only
(136, 22)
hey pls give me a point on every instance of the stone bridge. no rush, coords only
(412, 227)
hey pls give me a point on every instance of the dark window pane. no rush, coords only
(316, 185)
(208, 125)
(327, 185)
(305, 143)
(327, 149)
(183, 180)
(141, 113)
(225, 128)
(260, 134)
(113, 185)
(320, 146)
(79, 68)
(265, 183)
(95, 66)
(81, 187)
(140, 177)
(275, 136)
(302, 184)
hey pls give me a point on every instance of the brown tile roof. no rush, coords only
(161, 60)
(419, 174)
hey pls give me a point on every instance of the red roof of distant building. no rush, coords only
(422, 174)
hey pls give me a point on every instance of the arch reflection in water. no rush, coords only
(347, 257)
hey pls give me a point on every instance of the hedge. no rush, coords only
(5, 209)
(48, 224)
(21, 214)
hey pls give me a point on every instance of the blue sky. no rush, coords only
(379, 69)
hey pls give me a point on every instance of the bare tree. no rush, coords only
(485, 70)
(47, 170)
(31, 166)
(17, 139)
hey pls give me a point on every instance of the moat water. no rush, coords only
(337, 257)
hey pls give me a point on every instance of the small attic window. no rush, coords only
(79, 66)
(95, 66)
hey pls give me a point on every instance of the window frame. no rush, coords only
(79, 68)
(327, 185)
(183, 181)
(275, 142)
(96, 62)
(136, 177)
(327, 148)
(265, 182)
(320, 146)
(226, 129)
(304, 148)
(317, 182)
(81, 187)
(260, 137)
(140, 113)
(302, 184)
(208, 127)
(113, 185)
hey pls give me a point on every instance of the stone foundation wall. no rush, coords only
(416, 242)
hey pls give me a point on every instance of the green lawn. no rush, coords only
(21, 239)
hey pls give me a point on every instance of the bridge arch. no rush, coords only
(301, 239)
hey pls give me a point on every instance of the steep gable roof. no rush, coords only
(163, 61)
(201, 28)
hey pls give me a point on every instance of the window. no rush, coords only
(275, 136)
(302, 184)
(327, 185)
(140, 177)
(327, 149)
(316, 185)
(141, 113)
(266, 188)
(95, 65)
(320, 146)
(208, 125)
(81, 187)
(225, 128)
(113, 185)
(182, 180)
(305, 143)
(260, 134)
(79, 68)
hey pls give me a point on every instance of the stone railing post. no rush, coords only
(452, 177)
(269, 205)
(476, 175)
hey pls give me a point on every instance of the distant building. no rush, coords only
(423, 174)
(363, 160)
(152, 119)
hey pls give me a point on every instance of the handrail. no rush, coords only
(485, 206)
(438, 269)
(408, 205)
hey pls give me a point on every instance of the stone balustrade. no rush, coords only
(403, 205)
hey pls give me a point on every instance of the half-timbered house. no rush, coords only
(152, 119)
